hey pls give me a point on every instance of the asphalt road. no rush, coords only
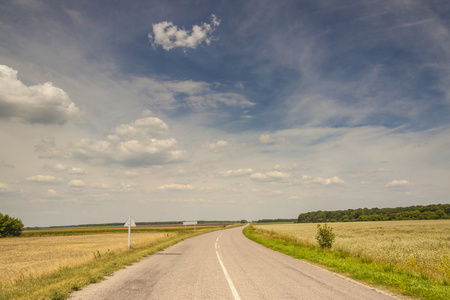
(225, 265)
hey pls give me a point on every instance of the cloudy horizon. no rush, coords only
(221, 111)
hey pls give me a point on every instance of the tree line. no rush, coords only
(418, 212)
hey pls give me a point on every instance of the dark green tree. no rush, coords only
(10, 226)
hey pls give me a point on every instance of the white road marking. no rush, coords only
(230, 283)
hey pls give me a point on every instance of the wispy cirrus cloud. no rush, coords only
(195, 95)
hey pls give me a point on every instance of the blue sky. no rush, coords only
(221, 110)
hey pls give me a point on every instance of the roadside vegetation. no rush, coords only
(408, 257)
(53, 266)
(10, 226)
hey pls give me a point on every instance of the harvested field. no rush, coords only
(419, 246)
(21, 258)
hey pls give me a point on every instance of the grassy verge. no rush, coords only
(58, 285)
(376, 274)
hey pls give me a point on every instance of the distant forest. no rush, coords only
(429, 212)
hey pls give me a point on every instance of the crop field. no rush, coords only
(422, 247)
(23, 257)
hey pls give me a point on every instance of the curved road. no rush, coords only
(225, 265)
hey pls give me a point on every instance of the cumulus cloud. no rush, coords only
(328, 181)
(397, 183)
(134, 147)
(169, 36)
(149, 126)
(42, 103)
(176, 186)
(77, 183)
(265, 139)
(4, 188)
(324, 181)
(51, 192)
(238, 172)
(59, 167)
(101, 186)
(219, 146)
(131, 173)
(270, 176)
(77, 171)
(133, 152)
(44, 179)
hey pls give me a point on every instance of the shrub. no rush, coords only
(325, 236)
(10, 226)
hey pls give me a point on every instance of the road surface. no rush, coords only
(225, 265)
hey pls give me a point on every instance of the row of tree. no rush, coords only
(419, 212)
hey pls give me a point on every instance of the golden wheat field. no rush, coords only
(420, 246)
(33, 256)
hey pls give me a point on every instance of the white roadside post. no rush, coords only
(130, 223)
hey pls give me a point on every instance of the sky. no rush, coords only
(221, 110)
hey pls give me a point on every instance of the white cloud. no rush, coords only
(77, 183)
(328, 181)
(277, 174)
(4, 188)
(134, 152)
(219, 146)
(193, 200)
(43, 103)
(51, 192)
(133, 148)
(77, 171)
(397, 183)
(265, 139)
(169, 36)
(149, 126)
(238, 172)
(176, 186)
(128, 186)
(324, 181)
(270, 176)
(101, 186)
(131, 174)
(59, 167)
(44, 179)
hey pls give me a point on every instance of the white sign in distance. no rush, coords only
(130, 222)
(190, 223)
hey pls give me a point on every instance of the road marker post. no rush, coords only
(130, 223)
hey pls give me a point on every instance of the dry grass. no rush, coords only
(420, 246)
(21, 258)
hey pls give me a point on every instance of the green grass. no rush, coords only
(364, 270)
(58, 285)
